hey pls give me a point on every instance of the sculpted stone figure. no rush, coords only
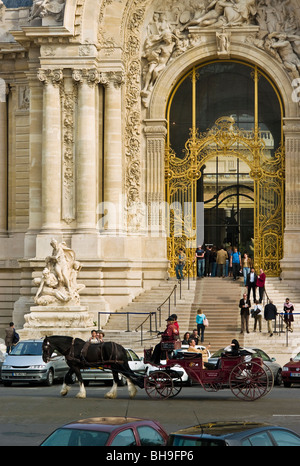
(42, 8)
(58, 284)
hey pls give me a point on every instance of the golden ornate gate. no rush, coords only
(267, 172)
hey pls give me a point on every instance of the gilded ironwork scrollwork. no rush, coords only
(267, 171)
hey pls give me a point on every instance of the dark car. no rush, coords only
(271, 363)
(108, 431)
(218, 434)
(291, 371)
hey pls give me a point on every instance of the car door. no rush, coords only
(136, 364)
(59, 364)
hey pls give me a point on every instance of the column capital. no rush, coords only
(155, 128)
(88, 76)
(49, 76)
(112, 78)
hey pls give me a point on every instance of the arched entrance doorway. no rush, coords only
(225, 163)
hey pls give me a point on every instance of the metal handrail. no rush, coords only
(169, 302)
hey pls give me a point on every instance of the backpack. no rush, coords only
(16, 337)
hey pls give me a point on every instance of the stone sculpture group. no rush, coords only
(58, 284)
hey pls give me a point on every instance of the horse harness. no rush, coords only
(83, 353)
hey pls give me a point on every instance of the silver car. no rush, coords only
(25, 364)
(99, 374)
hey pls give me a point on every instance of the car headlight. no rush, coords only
(40, 366)
(285, 369)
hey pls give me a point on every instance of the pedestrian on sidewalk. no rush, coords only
(257, 314)
(288, 309)
(200, 324)
(270, 314)
(244, 306)
(260, 283)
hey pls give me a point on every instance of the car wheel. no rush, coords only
(121, 380)
(278, 378)
(50, 378)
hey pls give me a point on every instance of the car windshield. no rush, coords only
(76, 438)
(178, 441)
(297, 357)
(28, 348)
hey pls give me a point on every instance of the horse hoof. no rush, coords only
(110, 396)
(65, 390)
(81, 395)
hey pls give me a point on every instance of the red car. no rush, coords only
(108, 431)
(291, 371)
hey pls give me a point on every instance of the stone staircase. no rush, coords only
(124, 326)
(216, 296)
(219, 299)
(284, 345)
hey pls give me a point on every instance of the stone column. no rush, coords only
(51, 160)
(291, 262)
(35, 163)
(3, 159)
(113, 153)
(155, 131)
(86, 151)
(51, 153)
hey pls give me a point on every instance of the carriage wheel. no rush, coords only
(249, 381)
(158, 385)
(270, 376)
(177, 384)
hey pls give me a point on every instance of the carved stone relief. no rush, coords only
(178, 26)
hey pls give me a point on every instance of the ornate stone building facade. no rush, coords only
(87, 134)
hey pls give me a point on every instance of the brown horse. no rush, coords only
(81, 355)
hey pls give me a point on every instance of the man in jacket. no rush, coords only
(171, 334)
(251, 283)
(9, 336)
(270, 314)
(245, 308)
(221, 261)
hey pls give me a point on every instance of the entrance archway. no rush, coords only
(230, 113)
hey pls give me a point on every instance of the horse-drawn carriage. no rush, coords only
(248, 378)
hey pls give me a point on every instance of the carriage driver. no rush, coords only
(171, 334)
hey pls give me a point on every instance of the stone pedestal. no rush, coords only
(73, 321)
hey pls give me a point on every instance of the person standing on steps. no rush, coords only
(200, 260)
(260, 283)
(244, 306)
(270, 313)
(288, 309)
(246, 266)
(236, 263)
(200, 324)
(257, 314)
(251, 283)
(221, 261)
(180, 265)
